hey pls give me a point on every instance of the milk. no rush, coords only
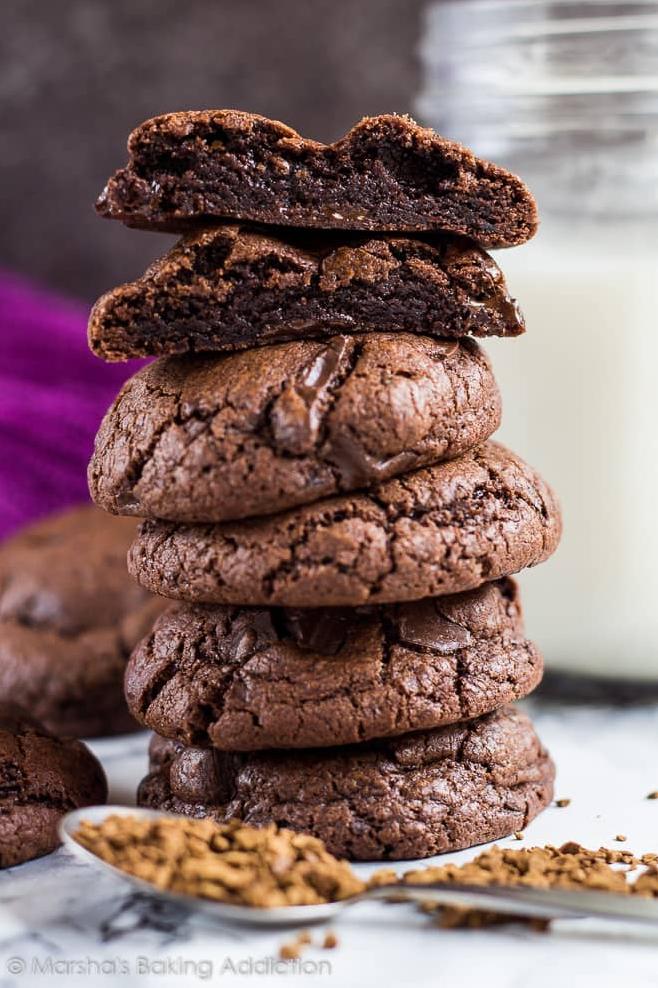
(565, 94)
(580, 403)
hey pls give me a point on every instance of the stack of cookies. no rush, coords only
(311, 454)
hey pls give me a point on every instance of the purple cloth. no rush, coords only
(53, 394)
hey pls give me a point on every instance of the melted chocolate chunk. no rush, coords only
(318, 629)
(296, 416)
(420, 624)
(200, 771)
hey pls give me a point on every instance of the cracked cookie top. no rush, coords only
(405, 797)
(245, 679)
(213, 439)
(387, 173)
(230, 287)
(439, 530)
(42, 777)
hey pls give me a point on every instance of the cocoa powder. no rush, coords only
(569, 866)
(271, 866)
(231, 862)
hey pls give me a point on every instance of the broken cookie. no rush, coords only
(231, 287)
(386, 174)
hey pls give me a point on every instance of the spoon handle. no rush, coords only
(523, 900)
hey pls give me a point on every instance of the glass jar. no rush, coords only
(566, 95)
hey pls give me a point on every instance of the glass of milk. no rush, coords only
(566, 95)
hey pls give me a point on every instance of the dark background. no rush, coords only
(77, 75)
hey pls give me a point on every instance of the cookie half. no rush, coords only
(245, 679)
(407, 797)
(386, 174)
(69, 618)
(218, 438)
(41, 778)
(230, 287)
(440, 530)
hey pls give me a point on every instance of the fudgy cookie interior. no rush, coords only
(230, 287)
(387, 173)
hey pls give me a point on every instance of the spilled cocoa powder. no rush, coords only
(292, 950)
(570, 866)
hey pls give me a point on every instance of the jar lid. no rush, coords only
(534, 48)
(563, 91)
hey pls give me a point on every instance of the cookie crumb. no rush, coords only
(562, 803)
(621, 838)
(304, 938)
(330, 940)
(519, 835)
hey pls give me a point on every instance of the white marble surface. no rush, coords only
(64, 923)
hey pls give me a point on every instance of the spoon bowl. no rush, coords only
(272, 916)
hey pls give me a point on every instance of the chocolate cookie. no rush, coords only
(230, 287)
(69, 617)
(440, 530)
(406, 797)
(386, 174)
(218, 438)
(41, 778)
(245, 679)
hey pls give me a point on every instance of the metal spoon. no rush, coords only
(513, 900)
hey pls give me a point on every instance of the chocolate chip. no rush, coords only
(319, 630)
(421, 624)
